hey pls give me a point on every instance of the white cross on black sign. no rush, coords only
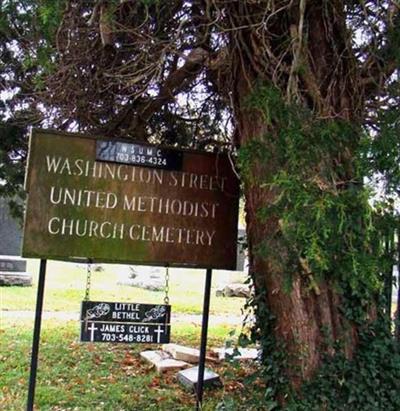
(125, 323)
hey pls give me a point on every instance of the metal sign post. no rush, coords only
(36, 335)
(203, 343)
(175, 207)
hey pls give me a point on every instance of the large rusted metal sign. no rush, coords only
(116, 211)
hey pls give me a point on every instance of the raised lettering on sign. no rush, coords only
(124, 212)
(138, 154)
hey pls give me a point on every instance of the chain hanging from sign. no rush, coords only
(121, 322)
(88, 280)
(166, 298)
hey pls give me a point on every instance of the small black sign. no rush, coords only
(125, 322)
(138, 155)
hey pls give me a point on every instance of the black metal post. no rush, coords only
(36, 335)
(203, 343)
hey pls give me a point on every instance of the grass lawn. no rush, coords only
(65, 288)
(77, 376)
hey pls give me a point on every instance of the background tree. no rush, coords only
(304, 93)
(24, 57)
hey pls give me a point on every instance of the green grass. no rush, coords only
(65, 288)
(76, 376)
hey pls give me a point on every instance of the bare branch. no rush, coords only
(174, 83)
(381, 63)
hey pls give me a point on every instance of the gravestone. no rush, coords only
(12, 266)
(234, 290)
(163, 361)
(147, 278)
(189, 378)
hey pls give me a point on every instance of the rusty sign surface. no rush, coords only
(79, 207)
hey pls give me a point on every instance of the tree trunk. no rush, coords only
(306, 316)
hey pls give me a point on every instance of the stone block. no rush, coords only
(144, 283)
(163, 361)
(12, 265)
(189, 378)
(180, 352)
(234, 290)
(242, 355)
(11, 279)
(10, 231)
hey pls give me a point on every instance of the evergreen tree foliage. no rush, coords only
(305, 96)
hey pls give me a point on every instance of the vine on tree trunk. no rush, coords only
(327, 232)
